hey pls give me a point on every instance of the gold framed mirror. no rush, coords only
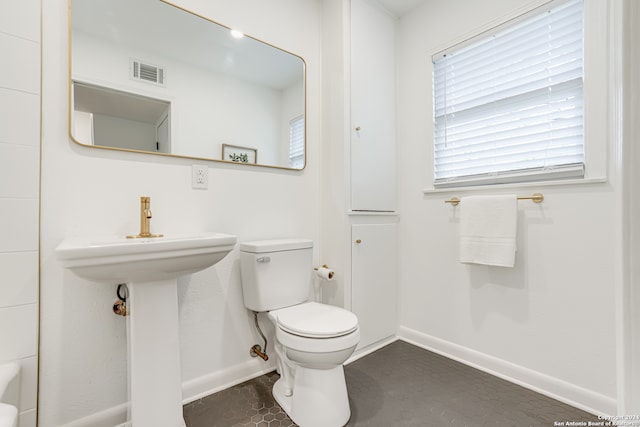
(151, 77)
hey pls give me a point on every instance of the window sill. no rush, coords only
(486, 187)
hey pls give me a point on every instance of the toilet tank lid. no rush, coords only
(260, 246)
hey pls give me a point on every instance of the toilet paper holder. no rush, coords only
(325, 272)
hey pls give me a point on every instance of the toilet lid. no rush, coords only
(316, 320)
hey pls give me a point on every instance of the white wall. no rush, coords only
(123, 133)
(550, 322)
(19, 187)
(88, 191)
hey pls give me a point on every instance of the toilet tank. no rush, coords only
(275, 273)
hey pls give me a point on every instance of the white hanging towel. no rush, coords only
(488, 226)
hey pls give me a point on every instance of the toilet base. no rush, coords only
(319, 397)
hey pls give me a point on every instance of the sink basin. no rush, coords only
(111, 259)
(149, 267)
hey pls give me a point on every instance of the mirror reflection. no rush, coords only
(151, 77)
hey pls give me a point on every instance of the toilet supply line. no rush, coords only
(256, 350)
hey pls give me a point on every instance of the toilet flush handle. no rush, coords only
(264, 259)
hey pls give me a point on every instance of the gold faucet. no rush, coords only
(145, 219)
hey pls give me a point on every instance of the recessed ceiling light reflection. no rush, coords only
(237, 34)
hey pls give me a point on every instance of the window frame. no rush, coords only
(598, 90)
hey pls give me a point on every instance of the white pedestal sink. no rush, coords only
(149, 267)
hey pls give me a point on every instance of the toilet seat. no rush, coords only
(314, 320)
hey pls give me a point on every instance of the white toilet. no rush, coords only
(312, 340)
(9, 394)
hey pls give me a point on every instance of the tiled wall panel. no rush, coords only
(29, 386)
(23, 20)
(19, 284)
(19, 117)
(18, 225)
(18, 326)
(20, 170)
(19, 193)
(24, 57)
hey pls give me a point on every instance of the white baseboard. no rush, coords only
(555, 388)
(114, 416)
(361, 352)
(191, 390)
(214, 382)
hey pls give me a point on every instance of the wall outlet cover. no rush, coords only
(200, 176)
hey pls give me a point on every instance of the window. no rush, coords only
(508, 106)
(296, 142)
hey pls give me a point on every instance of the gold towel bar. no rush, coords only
(535, 198)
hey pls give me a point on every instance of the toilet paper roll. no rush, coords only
(325, 273)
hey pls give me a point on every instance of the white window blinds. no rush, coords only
(508, 106)
(296, 142)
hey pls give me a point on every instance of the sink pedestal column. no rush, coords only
(150, 268)
(153, 340)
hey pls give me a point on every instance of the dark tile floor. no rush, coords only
(248, 404)
(398, 385)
